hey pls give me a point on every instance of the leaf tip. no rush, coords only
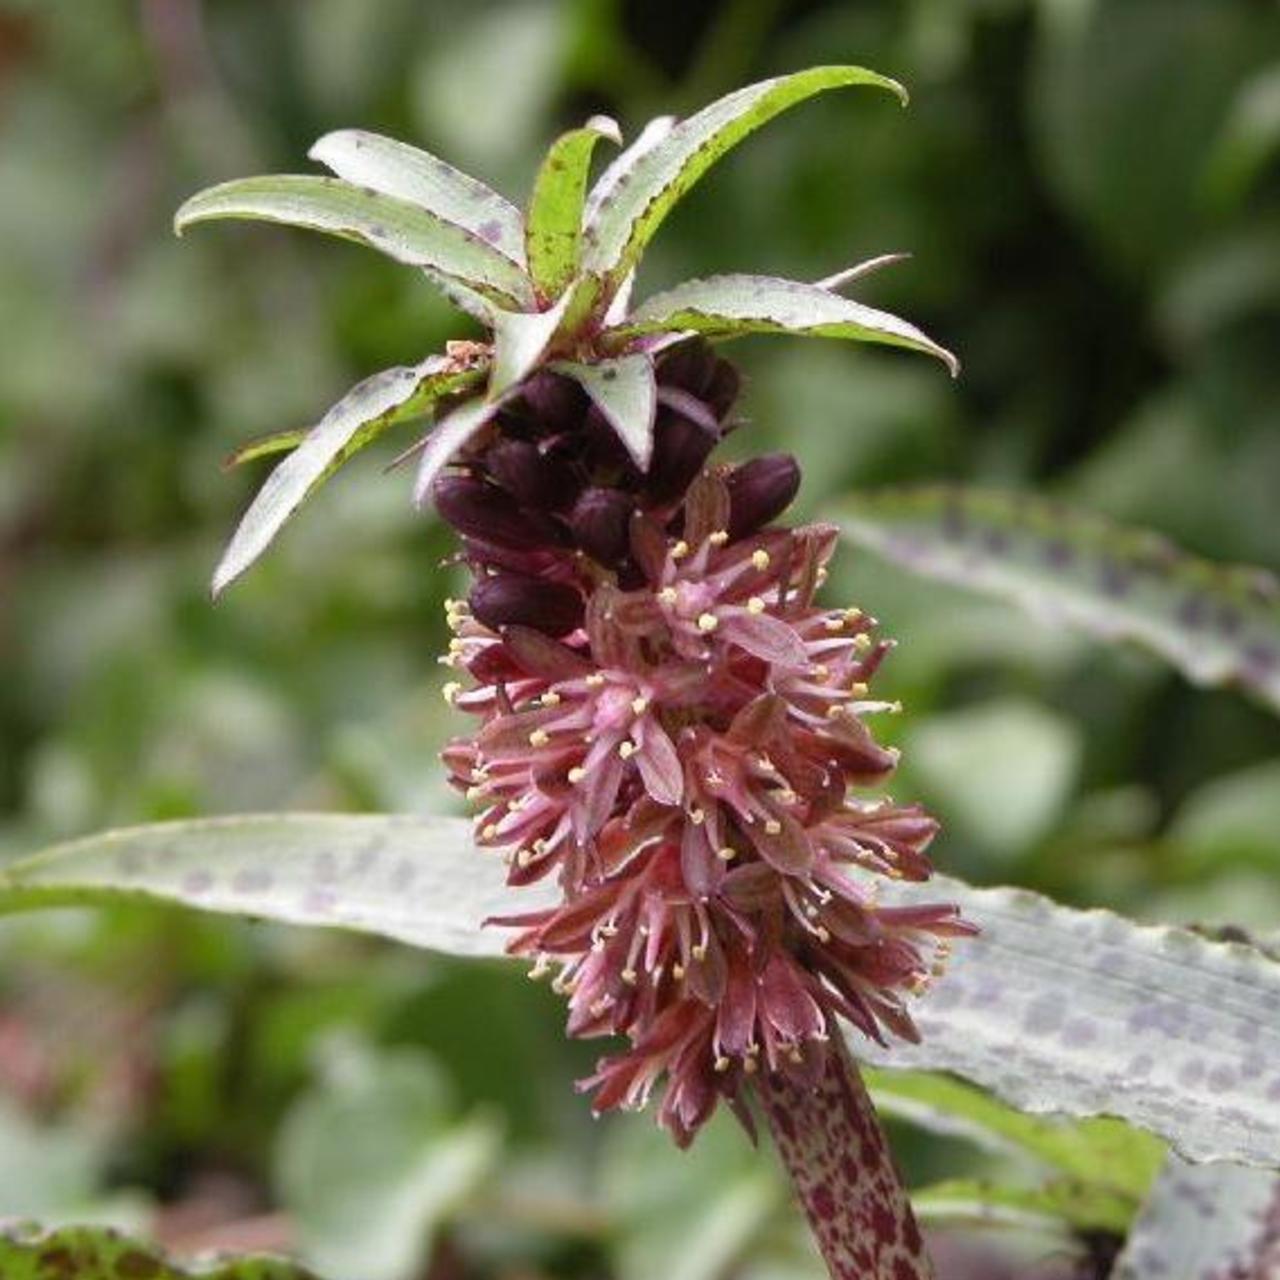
(607, 127)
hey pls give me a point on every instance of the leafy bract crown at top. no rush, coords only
(550, 285)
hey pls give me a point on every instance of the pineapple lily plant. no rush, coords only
(672, 765)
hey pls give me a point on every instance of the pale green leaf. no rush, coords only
(624, 221)
(553, 233)
(727, 306)
(520, 340)
(1206, 1223)
(1084, 1013)
(624, 391)
(1216, 624)
(446, 438)
(401, 230)
(973, 1203)
(623, 163)
(408, 173)
(363, 414)
(266, 447)
(99, 1253)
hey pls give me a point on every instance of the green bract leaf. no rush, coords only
(265, 447)
(1055, 1010)
(1216, 624)
(400, 170)
(395, 227)
(520, 339)
(971, 1202)
(99, 1253)
(1206, 1224)
(363, 414)
(1084, 1013)
(624, 391)
(554, 229)
(446, 438)
(725, 306)
(623, 222)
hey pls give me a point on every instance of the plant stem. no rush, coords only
(836, 1153)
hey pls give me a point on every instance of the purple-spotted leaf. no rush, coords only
(1084, 1013)
(1206, 1223)
(624, 390)
(1216, 624)
(553, 231)
(520, 340)
(726, 306)
(363, 414)
(265, 447)
(404, 231)
(623, 221)
(398, 169)
(446, 438)
(101, 1253)
(622, 164)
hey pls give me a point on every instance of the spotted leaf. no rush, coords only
(624, 391)
(1216, 624)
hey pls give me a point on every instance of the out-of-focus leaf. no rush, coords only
(725, 306)
(265, 447)
(408, 173)
(1000, 771)
(99, 1253)
(1215, 623)
(403, 231)
(1231, 819)
(446, 438)
(1206, 1223)
(369, 1164)
(554, 230)
(363, 414)
(624, 391)
(1084, 1013)
(1100, 1152)
(1053, 1205)
(520, 338)
(418, 880)
(625, 220)
(1080, 1013)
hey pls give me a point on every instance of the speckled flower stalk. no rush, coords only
(668, 723)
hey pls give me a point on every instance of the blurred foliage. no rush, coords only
(1091, 193)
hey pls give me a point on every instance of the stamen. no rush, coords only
(760, 559)
(707, 622)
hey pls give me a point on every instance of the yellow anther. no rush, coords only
(722, 1064)
(474, 793)
(755, 605)
(698, 951)
(835, 711)
(450, 692)
(773, 827)
(853, 615)
(630, 977)
(834, 624)
(550, 699)
(760, 559)
(858, 690)
(668, 595)
(627, 749)
(576, 774)
(894, 708)
(862, 642)
(750, 1066)
(539, 738)
(719, 538)
(524, 857)
(822, 933)
(456, 645)
(821, 576)
(786, 796)
(639, 705)
(821, 671)
(697, 817)
(680, 550)
(726, 853)
(707, 622)
(489, 831)
(677, 972)
(594, 680)
(795, 1057)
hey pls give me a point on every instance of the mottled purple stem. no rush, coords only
(843, 1172)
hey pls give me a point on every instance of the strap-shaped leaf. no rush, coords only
(1216, 624)
(624, 221)
(1084, 1013)
(607, 183)
(1206, 1223)
(624, 391)
(1055, 1010)
(403, 231)
(446, 438)
(726, 306)
(520, 339)
(100, 1253)
(363, 414)
(408, 173)
(265, 447)
(1051, 1206)
(553, 232)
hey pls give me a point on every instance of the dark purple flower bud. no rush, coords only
(606, 455)
(760, 491)
(537, 480)
(723, 390)
(601, 524)
(680, 448)
(690, 365)
(482, 511)
(513, 600)
(556, 403)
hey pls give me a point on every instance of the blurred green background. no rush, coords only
(1091, 194)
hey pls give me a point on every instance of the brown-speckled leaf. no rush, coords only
(363, 414)
(99, 1253)
(726, 306)
(623, 221)
(404, 231)
(624, 391)
(1209, 1222)
(1217, 624)
(1085, 1013)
